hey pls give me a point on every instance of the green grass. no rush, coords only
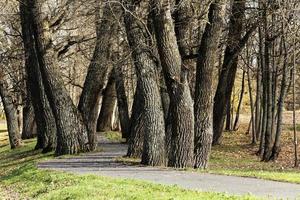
(18, 173)
(114, 136)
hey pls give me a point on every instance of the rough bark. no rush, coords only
(71, 130)
(136, 138)
(229, 68)
(99, 69)
(204, 91)
(181, 103)
(152, 112)
(46, 125)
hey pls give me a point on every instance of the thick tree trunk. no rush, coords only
(46, 125)
(109, 101)
(229, 68)
(29, 125)
(99, 69)
(181, 103)
(10, 113)
(204, 90)
(152, 112)
(70, 139)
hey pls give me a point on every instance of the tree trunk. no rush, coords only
(276, 148)
(251, 101)
(29, 125)
(228, 116)
(136, 139)
(204, 90)
(99, 69)
(152, 112)
(46, 125)
(10, 113)
(181, 103)
(236, 121)
(229, 68)
(70, 139)
(122, 103)
(108, 105)
(267, 82)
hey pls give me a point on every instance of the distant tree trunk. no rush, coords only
(204, 90)
(276, 148)
(181, 103)
(251, 101)
(10, 113)
(45, 122)
(108, 105)
(258, 100)
(296, 162)
(136, 139)
(267, 82)
(152, 112)
(229, 68)
(29, 124)
(122, 103)
(70, 139)
(236, 121)
(228, 116)
(99, 69)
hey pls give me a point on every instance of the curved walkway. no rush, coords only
(104, 163)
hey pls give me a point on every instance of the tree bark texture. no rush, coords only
(204, 91)
(146, 68)
(181, 103)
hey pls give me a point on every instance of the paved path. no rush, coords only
(104, 163)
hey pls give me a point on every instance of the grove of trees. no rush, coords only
(163, 72)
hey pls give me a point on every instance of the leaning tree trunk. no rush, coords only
(108, 105)
(229, 68)
(71, 139)
(46, 126)
(204, 90)
(99, 69)
(10, 113)
(181, 103)
(152, 112)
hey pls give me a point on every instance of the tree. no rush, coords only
(71, 130)
(149, 94)
(204, 90)
(181, 103)
(10, 112)
(229, 68)
(100, 66)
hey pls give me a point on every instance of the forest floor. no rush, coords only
(235, 157)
